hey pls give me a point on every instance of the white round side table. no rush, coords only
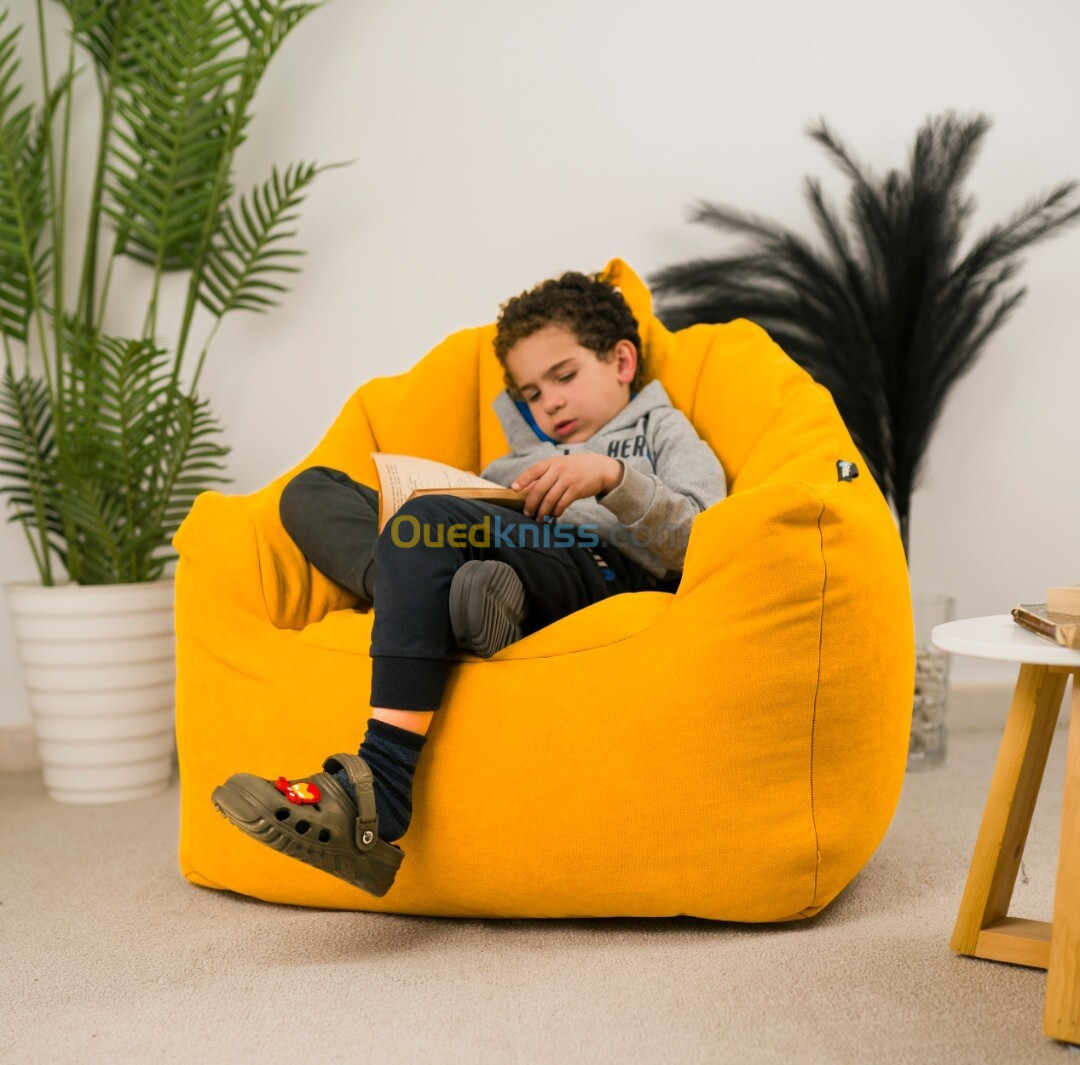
(983, 927)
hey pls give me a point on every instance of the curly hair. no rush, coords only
(593, 310)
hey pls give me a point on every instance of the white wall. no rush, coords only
(498, 143)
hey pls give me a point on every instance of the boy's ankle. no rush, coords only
(391, 753)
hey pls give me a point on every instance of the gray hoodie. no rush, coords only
(669, 476)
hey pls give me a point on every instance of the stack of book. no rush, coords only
(1057, 619)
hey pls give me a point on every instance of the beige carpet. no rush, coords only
(110, 956)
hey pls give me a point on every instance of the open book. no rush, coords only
(403, 476)
(1061, 628)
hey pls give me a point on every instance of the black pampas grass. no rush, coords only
(888, 315)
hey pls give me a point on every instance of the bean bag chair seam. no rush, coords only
(813, 718)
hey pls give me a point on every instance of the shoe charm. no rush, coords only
(301, 792)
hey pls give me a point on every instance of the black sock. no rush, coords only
(391, 754)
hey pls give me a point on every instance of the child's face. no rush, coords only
(570, 391)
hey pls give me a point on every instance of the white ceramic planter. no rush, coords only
(99, 665)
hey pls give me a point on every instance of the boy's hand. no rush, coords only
(553, 484)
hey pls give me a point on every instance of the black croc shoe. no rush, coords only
(315, 820)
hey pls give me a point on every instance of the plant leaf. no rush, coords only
(245, 244)
(100, 26)
(24, 210)
(265, 24)
(26, 449)
(132, 455)
(171, 113)
(891, 314)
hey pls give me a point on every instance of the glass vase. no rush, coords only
(929, 737)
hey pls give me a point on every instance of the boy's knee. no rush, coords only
(295, 503)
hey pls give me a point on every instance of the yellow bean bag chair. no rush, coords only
(732, 751)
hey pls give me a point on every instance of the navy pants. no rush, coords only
(409, 566)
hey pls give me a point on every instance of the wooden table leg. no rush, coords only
(1061, 1017)
(983, 928)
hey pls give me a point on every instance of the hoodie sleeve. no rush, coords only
(657, 509)
(504, 469)
(499, 470)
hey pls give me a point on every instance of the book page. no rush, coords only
(400, 475)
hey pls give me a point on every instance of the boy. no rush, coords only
(614, 477)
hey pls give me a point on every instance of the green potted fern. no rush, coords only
(887, 315)
(103, 443)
